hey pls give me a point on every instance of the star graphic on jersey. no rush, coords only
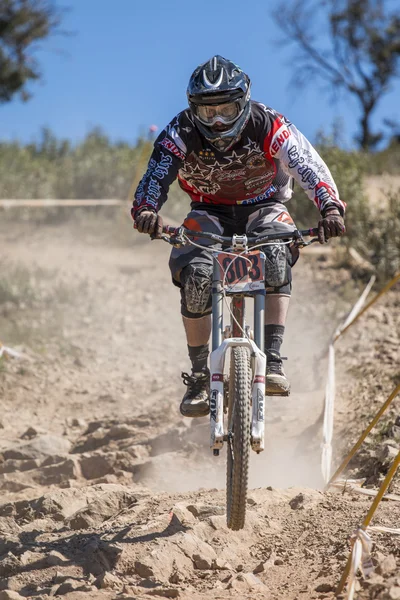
(251, 146)
(216, 166)
(196, 171)
(232, 159)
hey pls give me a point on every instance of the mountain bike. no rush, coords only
(237, 399)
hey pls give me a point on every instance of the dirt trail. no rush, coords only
(106, 491)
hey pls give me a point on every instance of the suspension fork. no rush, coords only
(217, 307)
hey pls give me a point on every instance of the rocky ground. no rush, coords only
(106, 492)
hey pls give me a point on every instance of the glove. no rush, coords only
(331, 225)
(149, 222)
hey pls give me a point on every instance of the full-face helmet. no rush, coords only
(219, 99)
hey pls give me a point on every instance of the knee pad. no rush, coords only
(278, 273)
(196, 290)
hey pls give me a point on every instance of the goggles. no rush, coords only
(227, 113)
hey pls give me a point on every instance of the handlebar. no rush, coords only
(175, 235)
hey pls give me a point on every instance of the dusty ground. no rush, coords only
(108, 493)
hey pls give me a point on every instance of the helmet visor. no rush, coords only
(227, 113)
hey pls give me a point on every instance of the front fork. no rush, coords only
(217, 363)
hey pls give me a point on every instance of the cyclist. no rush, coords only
(236, 159)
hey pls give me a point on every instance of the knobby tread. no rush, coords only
(239, 413)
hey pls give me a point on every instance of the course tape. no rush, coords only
(361, 559)
(354, 561)
(349, 485)
(6, 351)
(330, 391)
(327, 430)
(383, 291)
(54, 202)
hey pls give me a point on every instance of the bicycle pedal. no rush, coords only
(277, 393)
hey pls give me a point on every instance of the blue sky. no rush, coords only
(127, 64)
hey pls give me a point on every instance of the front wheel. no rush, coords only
(239, 424)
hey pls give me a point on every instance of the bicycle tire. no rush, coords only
(238, 447)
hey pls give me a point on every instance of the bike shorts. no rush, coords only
(228, 220)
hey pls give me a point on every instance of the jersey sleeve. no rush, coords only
(302, 162)
(168, 155)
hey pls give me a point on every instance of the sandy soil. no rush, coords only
(108, 493)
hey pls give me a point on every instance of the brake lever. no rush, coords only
(302, 243)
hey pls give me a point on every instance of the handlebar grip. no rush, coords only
(313, 232)
(169, 229)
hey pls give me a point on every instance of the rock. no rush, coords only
(279, 562)
(219, 564)
(54, 459)
(101, 555)
(201, 553)
(40, 447)
(8, 525)
(386, 454)
(121, 432)
(164, 592)
(245, 582)
(218, 522)
(165, 564)
(94, 426)
(387, 565)
(97, 465)
(297, 502)
(264, 566)
(100, 509)
(251, 580)
(54, 558)
(57, 474)
(394, 593)
(202, 562)
(91, 442)
(143, 569)
(203, 511)
(374, 579)
(74, 422)
(12, 465)
(30, 433)
(29, 557)
(184, 516)
(9, 565)
(73, 585)
(110, 581)
(259, 568)
(57, 504)
(11, 483)
(139, 451)
(10, 595)
(324, 588)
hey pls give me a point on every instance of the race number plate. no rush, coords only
(244, 273)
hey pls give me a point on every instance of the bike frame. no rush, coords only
(238, 335)
(220, 348)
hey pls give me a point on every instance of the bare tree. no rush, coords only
(353, 45)
(23, 23)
